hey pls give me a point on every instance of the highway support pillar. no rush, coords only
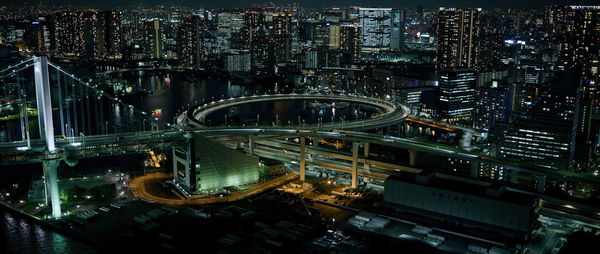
(541, 183)
(354, 164)
(51, 186)
(251, 145)
(514, 176)
(466, 138)
(412, 157)
(366, 165)
(474, 169)
(44, 102)
(302, 159)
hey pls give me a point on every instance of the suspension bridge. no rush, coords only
(60, 99)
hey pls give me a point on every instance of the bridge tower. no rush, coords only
(44, 107)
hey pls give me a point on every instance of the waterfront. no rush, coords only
(170, 93)
(23, 236)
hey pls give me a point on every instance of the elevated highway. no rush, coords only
(93, 146)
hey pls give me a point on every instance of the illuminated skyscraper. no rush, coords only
(154, 38)
(282, 36)
(458, 33)
(457, 91)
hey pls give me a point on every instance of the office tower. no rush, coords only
(376, 26)
(492, 105)
(254, 25)
(458, 34)
(545, 134)
(190, 42)
(350, 42)
(519, 101)
(109, 34)
(457, 92)
(282, 36)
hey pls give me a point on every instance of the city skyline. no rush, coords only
(437, 127)
(309, 3)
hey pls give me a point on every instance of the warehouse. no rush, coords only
(471, 203)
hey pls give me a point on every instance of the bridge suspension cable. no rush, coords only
(13, 67)
(97, 89)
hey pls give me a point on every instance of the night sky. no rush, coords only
(309, 3)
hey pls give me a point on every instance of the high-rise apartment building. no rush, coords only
(109, 34)
(458, 33)
(350, 42)
(76, 34)
(282, 36)
(191, 45)
(154, 38)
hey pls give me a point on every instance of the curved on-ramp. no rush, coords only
(392, 113)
